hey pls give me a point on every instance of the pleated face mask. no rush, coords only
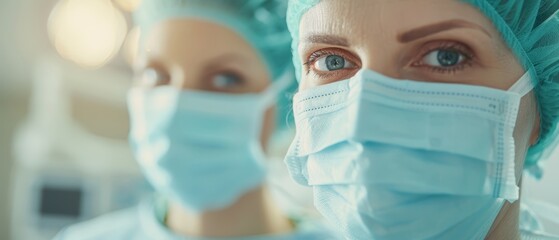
(202, 149)
(399, 159)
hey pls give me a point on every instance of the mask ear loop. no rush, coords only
(524, 85)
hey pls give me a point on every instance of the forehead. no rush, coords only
(193, 39)
(387, 17)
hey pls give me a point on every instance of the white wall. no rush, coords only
(12, 106)
(23, 40)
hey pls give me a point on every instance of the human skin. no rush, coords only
(201, 55)
(402, 39)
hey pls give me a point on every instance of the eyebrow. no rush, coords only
(425, 31)
(215, 64)
(327, 39)
(228, 57)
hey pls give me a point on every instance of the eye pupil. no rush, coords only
(335, 62)
(447, 58)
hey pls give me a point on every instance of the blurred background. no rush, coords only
(64, 73)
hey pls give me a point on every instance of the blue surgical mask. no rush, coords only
(202, 149)
(399, 159)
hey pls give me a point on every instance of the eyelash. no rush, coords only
(315, 56)
(239, 77)
(448, 45)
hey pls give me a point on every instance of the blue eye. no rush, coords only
(226, 80)
(444, 58)
(332, 63)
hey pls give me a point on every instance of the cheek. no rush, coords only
(262, 81)
(256, 75)
(305, 84)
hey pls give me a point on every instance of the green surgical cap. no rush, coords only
(262, 23)
(531, 30)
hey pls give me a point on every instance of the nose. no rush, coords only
(384, 61)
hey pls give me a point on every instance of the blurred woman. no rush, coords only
(211, 89)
